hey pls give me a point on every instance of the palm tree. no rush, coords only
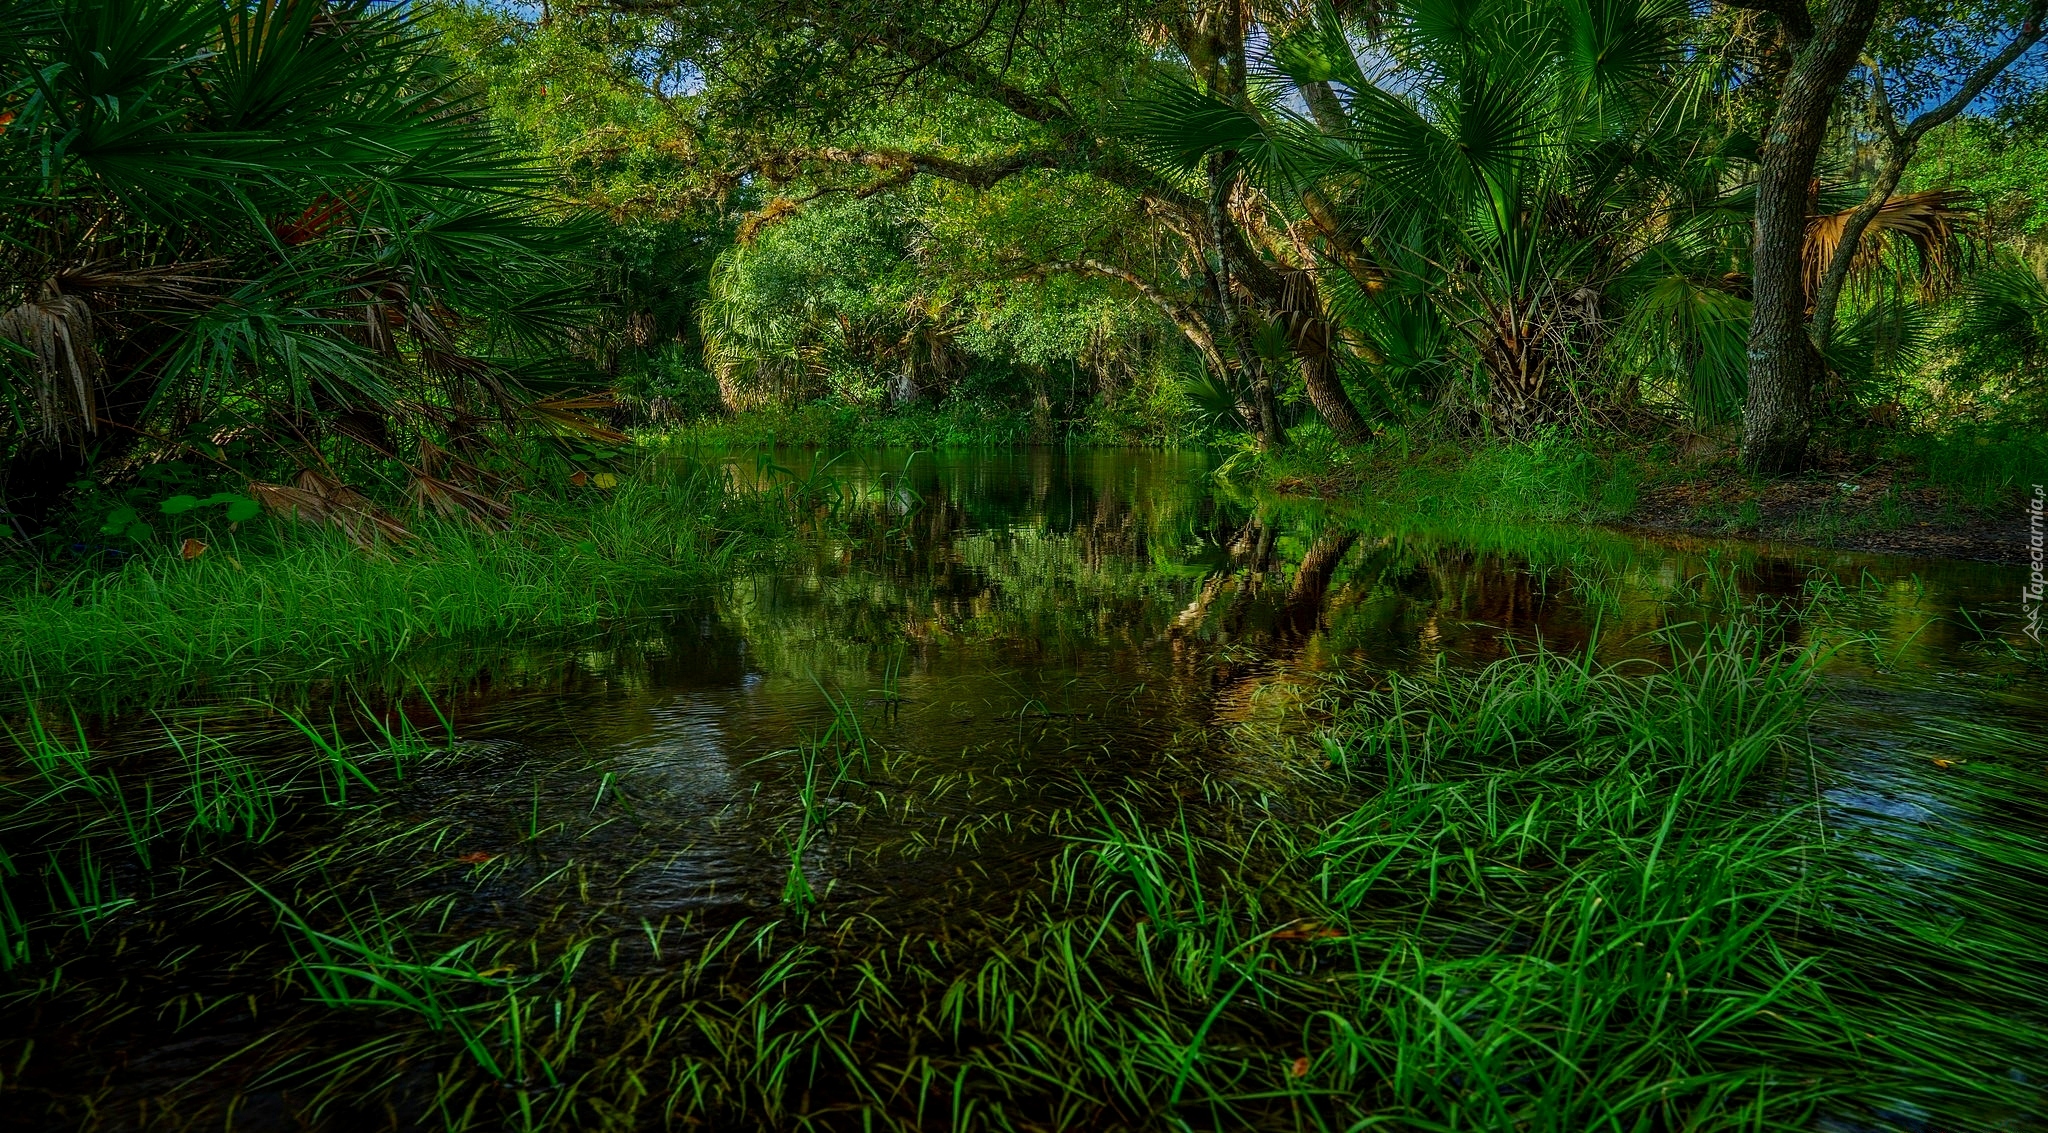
(269, 226)
(1519, 176)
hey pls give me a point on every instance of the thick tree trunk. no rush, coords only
(1777, 420)
(1310, 337)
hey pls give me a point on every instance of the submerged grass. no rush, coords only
(1551, 894)
(285, 600)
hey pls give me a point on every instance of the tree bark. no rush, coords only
(1265, 422)
(1309, 334)
(1212, 36)
(1778, 417)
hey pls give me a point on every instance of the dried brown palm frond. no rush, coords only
(448, 363)
(429, 323)
(56, 331)
(569, 413)
(453, 501)
(318, 499)
(1931, 223)
(180, 283)
(380, 317)
(443, 464)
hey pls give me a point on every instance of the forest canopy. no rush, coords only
(296, 253)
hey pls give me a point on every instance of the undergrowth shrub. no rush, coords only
(1983, 468)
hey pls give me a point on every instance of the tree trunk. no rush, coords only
(1265, 422)
(1777, 421)
(1310, 337)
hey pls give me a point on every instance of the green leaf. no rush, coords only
(118, 519)
(179, 505)
(243, 508)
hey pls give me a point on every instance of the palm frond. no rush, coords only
(1930, 224)
(2003, 316)
(54, 330)
(321, 499)
(1702, 332)
(1609, 49)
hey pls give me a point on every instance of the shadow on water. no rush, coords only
(915, 715)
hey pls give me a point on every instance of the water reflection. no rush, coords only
(1025, 620)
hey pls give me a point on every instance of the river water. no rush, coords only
(1028, 613)
(1012, 631)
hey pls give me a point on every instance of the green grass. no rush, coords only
(1562, 478)
(843, 743)
(1548, 894)
(282, 601)
(958, 423)
(1984, 469)
(1557, 478)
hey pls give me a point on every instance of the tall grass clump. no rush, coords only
(279, 598)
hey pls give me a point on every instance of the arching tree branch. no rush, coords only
(1900, 146)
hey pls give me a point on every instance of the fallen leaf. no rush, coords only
(1308, 931)
(1945, 764)
(605, 480)
(192, 549)
(1300, 1068)
(476, 857)
(579, 478)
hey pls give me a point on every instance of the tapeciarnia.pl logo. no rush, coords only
(2030, 596)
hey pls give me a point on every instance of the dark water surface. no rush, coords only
(1011, 631)
(1017, 616)
(1020, 624)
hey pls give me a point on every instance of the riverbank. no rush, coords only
(1958, 499)
(272, 600)
(1881, 510)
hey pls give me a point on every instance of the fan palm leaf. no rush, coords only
(370, 251)
(1930, 225)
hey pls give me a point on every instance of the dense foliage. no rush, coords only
(329, 257)
(1473, 216)
(258, 242)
